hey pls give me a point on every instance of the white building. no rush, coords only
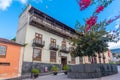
(46, 40)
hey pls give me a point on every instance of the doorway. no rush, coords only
(63, 61)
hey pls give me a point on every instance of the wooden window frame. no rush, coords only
(38, 35)
(51, 57)
(3, 56)
(39, 57)
(64, 43)
(52, 41)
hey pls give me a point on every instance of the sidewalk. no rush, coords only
(62, 76)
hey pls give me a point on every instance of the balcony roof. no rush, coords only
(40, 13)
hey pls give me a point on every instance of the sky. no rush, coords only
(66, 11)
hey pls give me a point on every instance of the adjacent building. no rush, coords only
(10, 59)
(46, 41)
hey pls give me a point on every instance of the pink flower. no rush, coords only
(90, 22)
(100, 8)
(84, 4)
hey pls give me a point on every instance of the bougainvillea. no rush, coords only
(84, 4)
(113, 19)
(99, 9)
(92, 36)
(90, 22)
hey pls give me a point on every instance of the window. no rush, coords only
(4, 64)
(37, 54)
(52, 56)
(39, 36)
(73, 60)
(53, 41)
(2, 51)
(63, 43)
(81, 59)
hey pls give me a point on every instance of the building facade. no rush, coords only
(10, 59)
(46, 41)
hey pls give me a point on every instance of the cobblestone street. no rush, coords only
(61, 76)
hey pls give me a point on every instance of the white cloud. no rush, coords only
(4, 4)
(23, 1)
(113, 45)
(117, 26)
(118, 21)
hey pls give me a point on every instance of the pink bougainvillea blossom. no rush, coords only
(90, 22)
(84, 4)
(99, 9)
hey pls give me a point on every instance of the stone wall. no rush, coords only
(27, 66)
(87, 71)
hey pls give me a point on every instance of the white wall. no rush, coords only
(21, 61)
(22, 26)
(30, 35)
(26, 34)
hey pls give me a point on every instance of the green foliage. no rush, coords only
(25, 44)
(111, 62)
(14, 39)
(95, 39)
(118, 56)
(54, 68)
(118, 63)
(66, 67)
(91, 42)
(35, 71)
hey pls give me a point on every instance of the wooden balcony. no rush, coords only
(54, 47)
(64, 49)
(45, 24)
(38, 42)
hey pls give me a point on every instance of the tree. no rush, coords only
(92, 37)
(13, 39)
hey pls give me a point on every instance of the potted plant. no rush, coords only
(35, 72)
(66, 68)
(55, 70)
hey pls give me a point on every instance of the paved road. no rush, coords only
(61, 76)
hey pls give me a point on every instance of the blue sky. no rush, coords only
(66, 11)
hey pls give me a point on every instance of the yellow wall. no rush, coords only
(107, 59)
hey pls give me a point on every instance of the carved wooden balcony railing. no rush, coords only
(38, 42)
(64, 49)
(54, 47)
